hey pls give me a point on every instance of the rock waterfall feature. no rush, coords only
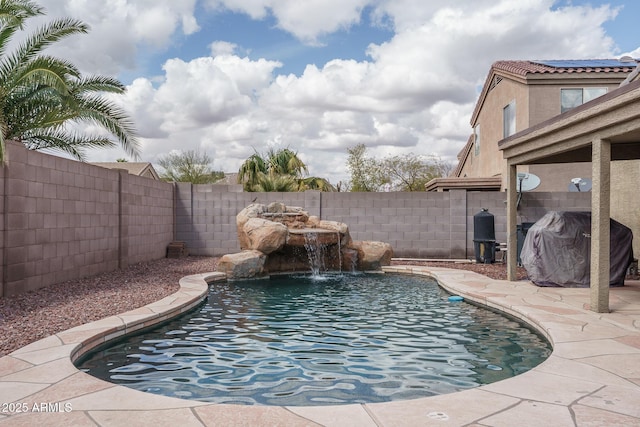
(276, 238)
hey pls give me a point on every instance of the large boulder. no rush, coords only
(339, 227)
(276, 207)
(242, 265)
(349, 260)
(264, 235)
(372, 255)
(254, 210)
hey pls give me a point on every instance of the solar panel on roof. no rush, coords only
(585, 63)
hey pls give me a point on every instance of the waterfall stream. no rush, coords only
(316, 253)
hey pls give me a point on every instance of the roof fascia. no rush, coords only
(463, 155)
(487, 86)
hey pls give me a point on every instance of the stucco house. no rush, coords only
(518, 95)
(559, 120)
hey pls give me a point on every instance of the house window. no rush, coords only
(476, 139)
(509, 119)
(573, 97)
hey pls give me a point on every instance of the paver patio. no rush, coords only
(592, 377)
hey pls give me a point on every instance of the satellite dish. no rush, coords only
(580, 185)
(527, 182)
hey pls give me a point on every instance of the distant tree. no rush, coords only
(410, 172)
(121, 160)
(278, 170)
(190, 166)
(407, 172)
(364, 170)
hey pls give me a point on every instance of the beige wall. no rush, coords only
(536, 102)
(556, 177)
(489, 161)
(625, 197)
(64, 219)
(545, 97)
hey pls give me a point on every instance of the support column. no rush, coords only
(512, 215)
(600, 225)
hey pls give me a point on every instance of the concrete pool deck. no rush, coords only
(592, 377)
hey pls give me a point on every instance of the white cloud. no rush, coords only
(222, 48)
(415, 94)
(306, 20)
(119, 29)
(634, 53)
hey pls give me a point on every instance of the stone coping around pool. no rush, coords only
(591, 378)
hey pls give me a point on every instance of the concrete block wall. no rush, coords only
(206, 214)
(65, 219)
(415, 224)
(61, 219)
(146, 211)
(423, 225)
(494, 201)
(202, 216)
(534, 205)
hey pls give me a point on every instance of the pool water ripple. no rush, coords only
(296, 341)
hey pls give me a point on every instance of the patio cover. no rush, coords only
(600, 131)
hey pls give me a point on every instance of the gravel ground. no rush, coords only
(28, 317)
(35, 315)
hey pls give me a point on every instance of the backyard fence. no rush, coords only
(61, 219)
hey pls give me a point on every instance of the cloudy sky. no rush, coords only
(229, 77)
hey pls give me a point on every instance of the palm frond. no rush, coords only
(98, 110)
(40, 94)
(103, 84)
(278, 183)
(45, 36)
(61, 140)
(45, 70)
(250, 169)
(316, 183)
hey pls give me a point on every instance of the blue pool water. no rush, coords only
(341, 339)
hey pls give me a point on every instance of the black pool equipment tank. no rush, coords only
(484, 237)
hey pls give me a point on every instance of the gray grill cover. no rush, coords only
(557, 250)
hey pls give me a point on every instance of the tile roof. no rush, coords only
(523, 68)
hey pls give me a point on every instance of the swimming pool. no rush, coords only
(295, 340)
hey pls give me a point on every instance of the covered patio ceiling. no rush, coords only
(603, 130)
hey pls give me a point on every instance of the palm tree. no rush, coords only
(250, 171)
(40, 96)
(315, 183)
(285, 162)
(275, 183)
(278, 170)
